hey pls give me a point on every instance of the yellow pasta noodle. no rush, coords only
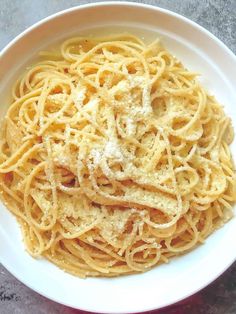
(113, 157)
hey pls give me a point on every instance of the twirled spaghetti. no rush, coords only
(114, 158)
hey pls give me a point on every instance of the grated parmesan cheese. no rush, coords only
(92, 104)
(113, 151)
(110, 151)
(97, 156)
(59, 155)
(130, 126)
(78, 97)
(57, 98)
(135, 80)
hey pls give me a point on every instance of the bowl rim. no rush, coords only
(114, 3)
(125, 4)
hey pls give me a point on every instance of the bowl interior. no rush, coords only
(199, 51)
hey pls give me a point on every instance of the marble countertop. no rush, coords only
(219, 17)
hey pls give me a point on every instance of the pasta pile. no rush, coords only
(113, 158)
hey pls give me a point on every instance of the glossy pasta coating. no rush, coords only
(114, 158)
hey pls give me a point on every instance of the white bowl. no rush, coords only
(200, 51)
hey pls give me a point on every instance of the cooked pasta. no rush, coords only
(113, 157)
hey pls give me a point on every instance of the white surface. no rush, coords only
(166, 284)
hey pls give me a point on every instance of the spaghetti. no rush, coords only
(113, 158)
